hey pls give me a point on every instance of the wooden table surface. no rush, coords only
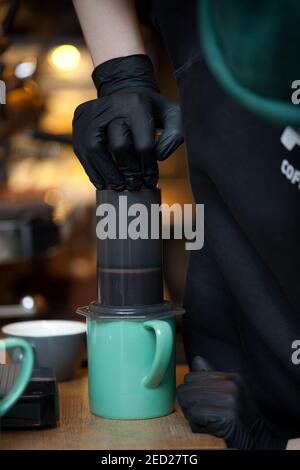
(79, 429)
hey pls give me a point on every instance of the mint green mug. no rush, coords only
(131, 367)
(23, 378)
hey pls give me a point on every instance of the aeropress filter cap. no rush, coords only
(129, 257)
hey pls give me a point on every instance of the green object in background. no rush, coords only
(131, 367)
(252, 47)
(24, 376)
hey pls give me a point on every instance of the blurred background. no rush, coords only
(47, 204)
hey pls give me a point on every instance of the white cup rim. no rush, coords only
(44, 328)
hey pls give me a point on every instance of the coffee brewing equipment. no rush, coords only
(130, 328)
(130, 271)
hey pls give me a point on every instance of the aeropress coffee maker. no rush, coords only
(130, 329)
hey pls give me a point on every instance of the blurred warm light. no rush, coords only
(52, 197)
(65, 57)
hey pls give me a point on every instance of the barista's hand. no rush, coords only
(124, 121)
(219, 403)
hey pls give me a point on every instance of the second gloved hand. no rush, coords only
(219, 403)
(123, 123)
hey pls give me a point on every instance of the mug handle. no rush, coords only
(25, 373)
(163, 351)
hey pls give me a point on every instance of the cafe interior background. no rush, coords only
(47, 204)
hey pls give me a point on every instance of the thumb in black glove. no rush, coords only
(219, 403)
(124, 122)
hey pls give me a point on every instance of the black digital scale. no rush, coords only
(38, 406)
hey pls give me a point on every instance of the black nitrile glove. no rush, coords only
(124, 121)
(218, 403)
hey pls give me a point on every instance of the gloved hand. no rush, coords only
(219, 403)
(124, 121)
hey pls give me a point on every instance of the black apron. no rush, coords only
(242, 292)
